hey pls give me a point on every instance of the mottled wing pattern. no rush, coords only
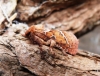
(64, 39)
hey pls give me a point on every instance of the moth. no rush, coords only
(64, 40)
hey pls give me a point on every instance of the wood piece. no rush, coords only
(9, 63)
(33, 9)
(28, 55)
(79, 19)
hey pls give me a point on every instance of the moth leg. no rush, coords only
(52, 43)
(31, 37)
(39, 41)
(42, 53)
(64, 52)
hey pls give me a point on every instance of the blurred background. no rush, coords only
(91, 41)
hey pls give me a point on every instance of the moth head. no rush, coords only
(39, 27)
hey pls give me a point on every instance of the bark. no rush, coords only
(19, 57)
(40, 8)
(79, 18)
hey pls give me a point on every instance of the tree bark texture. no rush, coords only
(76, 16)
(19, 57)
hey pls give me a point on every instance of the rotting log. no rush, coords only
(19, 57)
(32, 9)
(79, 18)
(9, 63)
